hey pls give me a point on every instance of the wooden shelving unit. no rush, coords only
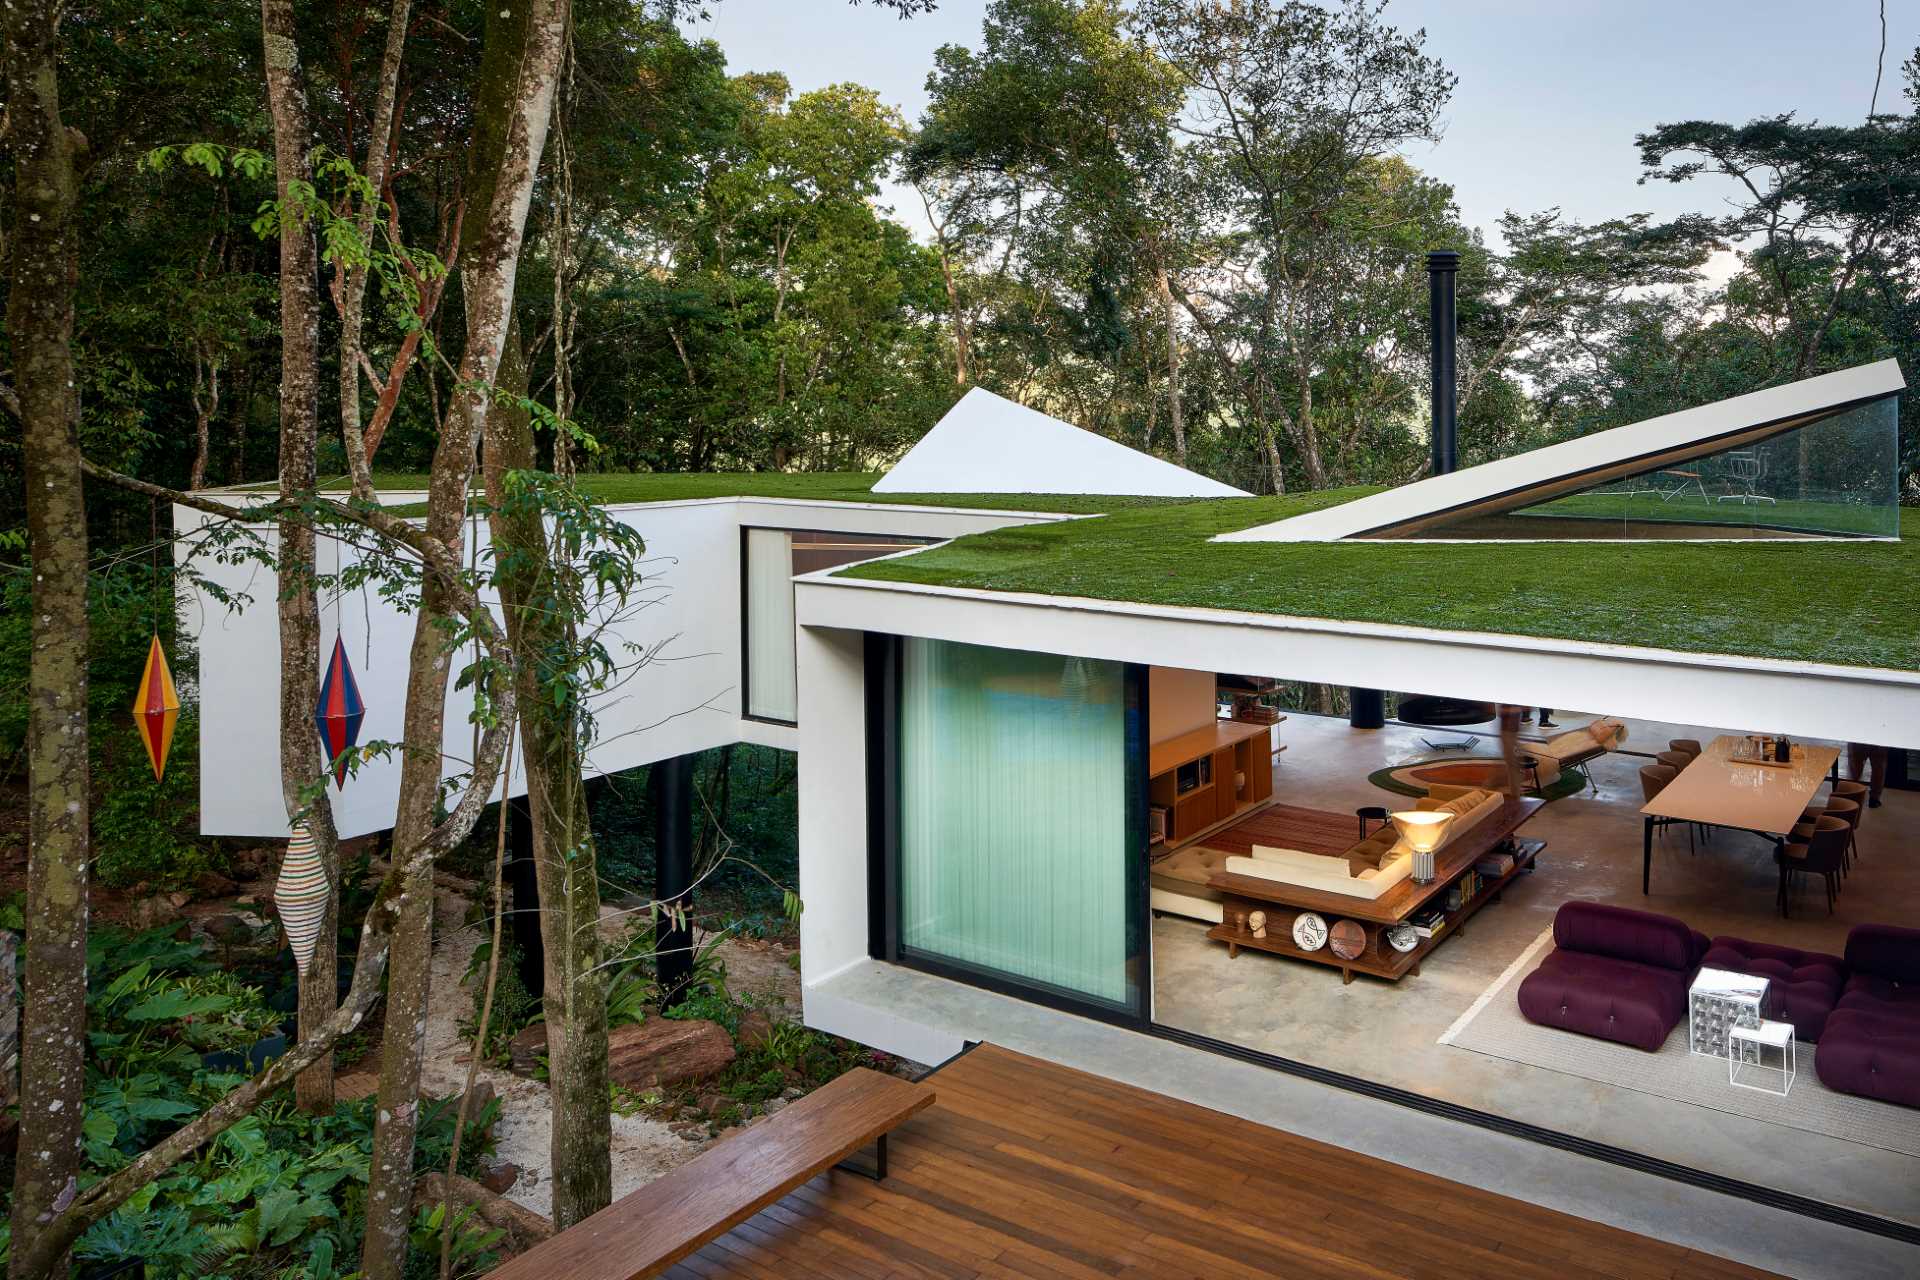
(1212, 758)
(1377, 959)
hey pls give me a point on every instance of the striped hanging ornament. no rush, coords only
(301, 896)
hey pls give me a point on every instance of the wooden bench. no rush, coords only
(648, 1231)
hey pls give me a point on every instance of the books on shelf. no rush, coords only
(1461, 891)
(1494, 865)
(1428, 922)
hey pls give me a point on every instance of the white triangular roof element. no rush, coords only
(1541, 474)
(988, 444)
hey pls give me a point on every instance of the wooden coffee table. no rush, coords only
(1244, 894)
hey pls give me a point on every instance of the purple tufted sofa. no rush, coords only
(1871, 1042)
(1802, 986)
(1623, 975)
(1614, 973)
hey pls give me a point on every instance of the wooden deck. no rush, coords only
(1027, 1169)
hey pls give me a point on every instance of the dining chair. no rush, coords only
(1653, 780)
(1689, 748)
(1675, 760)
(1848, 811)
(1822, 853)
(1847, 789)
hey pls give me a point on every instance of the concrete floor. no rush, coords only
(1389, 1031)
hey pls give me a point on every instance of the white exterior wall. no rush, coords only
(689, 699)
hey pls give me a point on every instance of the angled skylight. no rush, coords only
(1815, 458)
(988, 444)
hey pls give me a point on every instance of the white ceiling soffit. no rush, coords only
(1526, 478)
(988, 444)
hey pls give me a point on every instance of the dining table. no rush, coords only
(1726, 786)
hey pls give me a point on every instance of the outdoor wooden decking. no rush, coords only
(1027, 1169)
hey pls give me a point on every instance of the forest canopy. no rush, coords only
(1189, 227)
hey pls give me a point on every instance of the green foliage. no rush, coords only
(279, 1194)
(472, 1251)
(746, 854)
(143, 828)
(633, 991)
(514, 1007)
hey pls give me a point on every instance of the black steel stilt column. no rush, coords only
(523, 887)
(671, 782)
(1366, 708)
(1443, 265)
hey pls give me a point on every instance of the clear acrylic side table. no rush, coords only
(1717, 1002)
(1761, 1057)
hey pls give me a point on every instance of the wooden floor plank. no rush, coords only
(1024, 1168)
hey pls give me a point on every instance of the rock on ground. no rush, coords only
(663, 1051)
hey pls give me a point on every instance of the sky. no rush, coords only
(1550, 97)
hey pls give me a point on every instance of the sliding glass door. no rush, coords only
(1020, 841)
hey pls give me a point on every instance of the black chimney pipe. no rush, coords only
(1444, 327)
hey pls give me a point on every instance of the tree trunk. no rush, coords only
(960, 342)
(409, 976)
(513, 106)
(206, 403)
(1175, 414)
(299, 606)
(53, 1034)
(352, 288)
(575, 1001)
(1308, 435)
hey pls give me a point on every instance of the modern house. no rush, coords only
(1050, 771)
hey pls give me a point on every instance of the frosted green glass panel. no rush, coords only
(1013, 816)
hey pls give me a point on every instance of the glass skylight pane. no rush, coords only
(1835, 477)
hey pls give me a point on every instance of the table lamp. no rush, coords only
(1421, 830)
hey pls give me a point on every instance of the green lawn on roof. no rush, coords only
(1854, 603)
(809, 486)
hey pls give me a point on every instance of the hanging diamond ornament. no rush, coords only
(156, 708)
(301, 896)
(340, 712)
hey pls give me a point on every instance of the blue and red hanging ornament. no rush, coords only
(339, 713)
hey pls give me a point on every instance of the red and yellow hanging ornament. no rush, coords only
(156, 708)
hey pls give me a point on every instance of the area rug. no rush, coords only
(1493, 1025)
(1395, 778)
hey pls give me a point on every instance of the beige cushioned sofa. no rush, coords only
(1367, 870)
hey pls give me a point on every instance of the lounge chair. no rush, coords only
(1574, 748)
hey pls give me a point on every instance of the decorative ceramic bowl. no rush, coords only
(1309, 931)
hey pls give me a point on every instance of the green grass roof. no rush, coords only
(812, 486)
(1854, 603)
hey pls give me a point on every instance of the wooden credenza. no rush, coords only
(1210, 776)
